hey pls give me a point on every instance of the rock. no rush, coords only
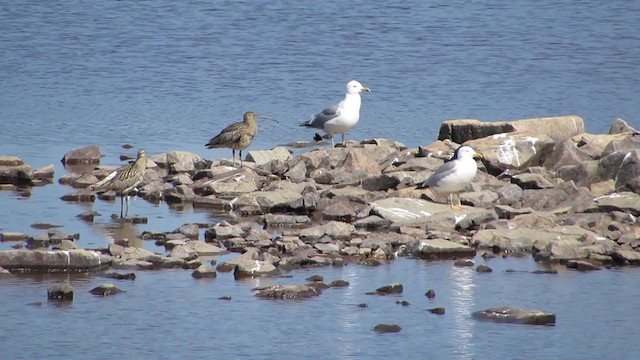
(531, 181)
(403, 303)
(6, 160)
(623, 167)
(338, 230)
(204, 271)
(508, 212)
(329, 248)
(620, 126)
(382, 182)
(558, 128)
(442, 249)
(60, 292)
(44, 173)
(178, 194)
(283, 220)
(9, 236)
(339, 211)
(430, 294)
(86, 155)
(516, 150)
(393, 288)
(247, 268)
(315, 278)
(233, 183)
(339, 283)
(515, 315)
(80, 196)
(52, 261)
(483, 269)
(260, 157)
(192, 231)
(196, 248)
(372, 222)
(297, 173)
(180, 161)
(387, 328)
(437, 310)
(626, 257)
(582, 265)
(222, 231)
(272, 201)
(17, 175)
(463, 263)
(566, 153)
(105, 290)
(118, 276)
(627, 202)
(288, 292)
(132, 264)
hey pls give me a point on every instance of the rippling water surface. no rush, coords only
(168, 75)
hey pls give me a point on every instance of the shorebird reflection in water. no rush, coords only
(455, 175)
(238, 136)
(124, 180)
(343, 116)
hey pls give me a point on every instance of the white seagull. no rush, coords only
(340, 118)
(455, 175)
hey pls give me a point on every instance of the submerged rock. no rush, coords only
(105, 290)
(516, 315)
(60, 292)
(288, 292)
(387, 328)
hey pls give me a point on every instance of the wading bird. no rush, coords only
(123, 180)
(238, 136)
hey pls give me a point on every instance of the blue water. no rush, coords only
(169, 75)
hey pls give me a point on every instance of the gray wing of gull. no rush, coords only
(319, 119)
(443, 171)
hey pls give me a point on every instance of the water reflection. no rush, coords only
(463, 293)
(120, 233)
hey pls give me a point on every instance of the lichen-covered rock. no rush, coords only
(60, 292)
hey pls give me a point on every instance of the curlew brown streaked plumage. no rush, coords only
(237, 136)
(124, 179)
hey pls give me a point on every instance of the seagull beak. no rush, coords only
(366, 89)
(478, 156)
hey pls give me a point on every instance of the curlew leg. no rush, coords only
(343, 143)
(240, 158)
(121, 204)
(233, 157)
(332, 142)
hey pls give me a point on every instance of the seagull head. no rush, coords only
(354, 87)
(467, 152)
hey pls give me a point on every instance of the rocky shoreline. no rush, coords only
(545, 187)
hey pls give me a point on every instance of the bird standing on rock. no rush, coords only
(455, 175)
(237, 136)
(342, 117)
(123, 180)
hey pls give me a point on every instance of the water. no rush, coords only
(168, 75)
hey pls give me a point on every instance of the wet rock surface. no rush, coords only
(516, 315)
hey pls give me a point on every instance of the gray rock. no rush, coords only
(8, 236)
(105, 290)
(620, 126)
(531, 181)
(566, 153)
(339, 211)
(18, 175)
(272, 201)
(60, 292)
(627, 202)
(38, 241)
(387, 328)
(196, 248)
(372, 222)
(204, 271)
(327, 248)
(483, 269)
(192, 231)
(180, 161)
(393, 288)
(44, 173)
(284, 220)
(86, 155)
(221, 231)
(178, 194)
(411, 211)
(77, 260)
(516, 315)
(247, 268)
(442, 249)
(338, 230)
(297, 173)
(80, 196)
(508, 212)
(380, 182)
(627, 257)
(132, 264)
(260, 157)
(7, 160)
(558, 128)
(288, 292)
(583, 265)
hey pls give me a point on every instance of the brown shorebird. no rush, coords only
(237, 136)
(342, 117)
(123, 180)
(454, 175)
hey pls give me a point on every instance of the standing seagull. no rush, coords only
(340, 118)
(237, 136)
(124, 179)
(454, 175)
